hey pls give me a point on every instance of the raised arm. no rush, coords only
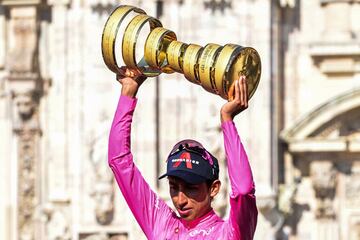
(243, 212)
(147, 208)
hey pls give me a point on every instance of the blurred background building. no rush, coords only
(301, 130)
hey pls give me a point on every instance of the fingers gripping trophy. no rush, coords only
(132, 38)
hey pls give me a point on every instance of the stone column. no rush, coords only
(26, 87)
(323, 176)
(28, 133)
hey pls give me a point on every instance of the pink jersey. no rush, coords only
(155, 217)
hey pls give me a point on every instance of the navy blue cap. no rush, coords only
(194, 165)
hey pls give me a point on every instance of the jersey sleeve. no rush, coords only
(243, 211)
(145, 205)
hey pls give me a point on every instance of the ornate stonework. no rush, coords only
(25, 85)
(28, 167)
(58, 227)
(352, 189)
(323, 175)
(103, 189)
(220, 5)
(22, 61)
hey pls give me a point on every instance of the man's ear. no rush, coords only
(215, 188)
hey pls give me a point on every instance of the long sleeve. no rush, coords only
(147, 208)
(243, 212)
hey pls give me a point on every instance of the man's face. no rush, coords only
(191, 200)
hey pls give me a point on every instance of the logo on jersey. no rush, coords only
(202, 232)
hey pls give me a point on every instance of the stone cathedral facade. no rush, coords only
(57, 100)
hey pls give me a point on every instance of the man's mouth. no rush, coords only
(184, 212)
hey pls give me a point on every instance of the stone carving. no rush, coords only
(286, 198)
(27, 184)
(58, 228)
(103, 191)
(215, 5)
(267, 206)
(26, 127)
(346, 125)
(337, 20)
(323, 176)
(22, 58)
(22, 65)
(352, 188)
(25, 104)
(103, 9)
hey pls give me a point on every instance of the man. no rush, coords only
(192, 173)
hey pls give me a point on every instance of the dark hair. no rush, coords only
(210, 182)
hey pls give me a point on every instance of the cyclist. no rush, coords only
(192, 173)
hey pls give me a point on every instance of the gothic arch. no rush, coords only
(333, 126)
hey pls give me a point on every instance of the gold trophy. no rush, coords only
(214, 67)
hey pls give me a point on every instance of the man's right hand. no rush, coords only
(130, 79)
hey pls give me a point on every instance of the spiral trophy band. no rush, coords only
(213, 66)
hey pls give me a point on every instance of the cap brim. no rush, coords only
(186, 176)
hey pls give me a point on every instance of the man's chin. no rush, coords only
(187, 218)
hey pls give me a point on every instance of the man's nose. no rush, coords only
(182, 199)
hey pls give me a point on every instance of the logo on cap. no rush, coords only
(184, 157)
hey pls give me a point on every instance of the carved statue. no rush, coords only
(21, 58)
(323, 175)
(25, 104)
(58, 228)
(286, 197)
(103, 192)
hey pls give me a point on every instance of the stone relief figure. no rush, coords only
(103, 191)
(352, 187)
(25, 104)
(27, 232)
(25, 111)
(21, 57)
(58, 228)
(323, 176)
(286, 197)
